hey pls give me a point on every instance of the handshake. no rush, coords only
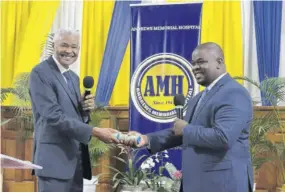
(132, 138)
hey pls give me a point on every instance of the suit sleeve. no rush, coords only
(164, 139)
(231, 117)
(45, 101)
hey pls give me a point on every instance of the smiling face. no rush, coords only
(207, 65)
(66, 49)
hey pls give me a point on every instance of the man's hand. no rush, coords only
(179, 125)
(88, 102)
(132, 143)
(105, 134)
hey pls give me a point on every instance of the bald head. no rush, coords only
(212, 48)
(208, 63)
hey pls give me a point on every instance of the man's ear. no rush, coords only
(220, 62)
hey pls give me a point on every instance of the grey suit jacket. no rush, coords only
(215, 145)
(58, 123)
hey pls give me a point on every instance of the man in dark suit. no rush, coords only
(215, 130)
(60, 119)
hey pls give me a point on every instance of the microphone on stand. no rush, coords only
(179, 101)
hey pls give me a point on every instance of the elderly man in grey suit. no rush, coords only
(215, 130)
(60, 114)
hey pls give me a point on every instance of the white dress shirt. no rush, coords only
(61, 68)
(215, 81)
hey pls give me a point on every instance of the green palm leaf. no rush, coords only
(5, 92)
(273, 88)
(4, 122)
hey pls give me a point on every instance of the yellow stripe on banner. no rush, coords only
(221, 23)
(42, 14)
(97, 16)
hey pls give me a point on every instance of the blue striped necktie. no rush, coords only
(202, 98)
(69, 81)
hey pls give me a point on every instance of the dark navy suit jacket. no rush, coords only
(58, 121)
(215, 143)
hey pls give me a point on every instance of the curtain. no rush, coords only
(121, 91)
(120, 94)
(221, 23)
(40, 20)
(267, 15)
(27, 24)
(116, 44)
(282, 48)
(249, 50)
(97, 17)
(69, 16)
(14, 16)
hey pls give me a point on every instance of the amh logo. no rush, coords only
(156, 81)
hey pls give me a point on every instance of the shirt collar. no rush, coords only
(60, 67)
(215, 82)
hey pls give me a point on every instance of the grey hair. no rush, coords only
(59, 33)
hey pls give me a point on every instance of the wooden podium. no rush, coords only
(8, 162)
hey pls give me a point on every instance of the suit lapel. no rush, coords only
(61, 80)
(210, 94)
(205, 100)
(191, 107)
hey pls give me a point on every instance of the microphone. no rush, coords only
(179, 101)
(88, 83)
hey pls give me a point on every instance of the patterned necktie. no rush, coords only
(67, 76)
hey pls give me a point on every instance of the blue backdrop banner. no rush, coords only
(162, 40)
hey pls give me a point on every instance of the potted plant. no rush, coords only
(139, 174)
(21, 105)
(158, 182)
(131, 179)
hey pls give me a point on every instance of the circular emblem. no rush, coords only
(156, 81)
